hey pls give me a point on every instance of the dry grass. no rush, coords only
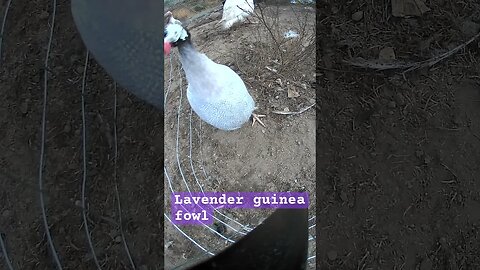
(182, 13)
(271, 51)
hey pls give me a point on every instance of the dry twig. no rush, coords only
(291, 113)
(409, 66)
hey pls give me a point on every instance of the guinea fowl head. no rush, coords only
(174, 33)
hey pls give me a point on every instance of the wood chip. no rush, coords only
(387, 53)
(291, 93)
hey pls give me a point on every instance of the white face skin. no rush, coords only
(174, 31)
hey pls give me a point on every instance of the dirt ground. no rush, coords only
(280, 157)
(139, 164)
(398, 157)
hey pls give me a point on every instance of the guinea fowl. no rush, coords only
(235, 11)
(215, 92)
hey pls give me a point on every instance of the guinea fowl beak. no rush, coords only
(167, 46)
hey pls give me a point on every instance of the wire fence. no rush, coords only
(84, 158)
(42, 157)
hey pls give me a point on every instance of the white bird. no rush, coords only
(235, 11)
(215, 92)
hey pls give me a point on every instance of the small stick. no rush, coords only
(4, 21)
(291, 113)
(409, 66)
(4, 252)
(448, 169)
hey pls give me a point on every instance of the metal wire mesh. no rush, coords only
(48, 234)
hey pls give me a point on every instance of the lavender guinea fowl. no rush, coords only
(235, 11)
(215, 92)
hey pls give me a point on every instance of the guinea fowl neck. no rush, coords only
(193, 62)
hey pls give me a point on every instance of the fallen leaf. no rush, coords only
(291, 93)
(387, 53)
(332, 255)
(357, 16)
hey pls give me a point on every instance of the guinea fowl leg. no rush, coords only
(256, 117)
(251, 21)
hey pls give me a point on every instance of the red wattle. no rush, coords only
(166, 47)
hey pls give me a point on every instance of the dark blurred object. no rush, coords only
(279, 243)
(126, 39)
